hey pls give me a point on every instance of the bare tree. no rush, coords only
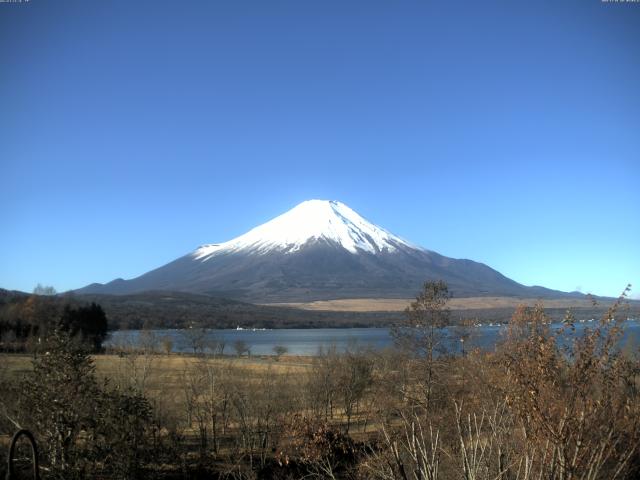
(215, 345)
(195, 338)
(241, 347)
(355, 375)
(280, 350)
(322, 382)
(44, 290)
(167, 344)
(421, 334)
(410, 451)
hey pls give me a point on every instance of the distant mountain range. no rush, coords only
(319, 250)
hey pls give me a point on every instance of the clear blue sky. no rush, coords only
(505, 132)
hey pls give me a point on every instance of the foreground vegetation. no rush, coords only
(534, 408)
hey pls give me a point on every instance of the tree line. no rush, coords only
(26, 321)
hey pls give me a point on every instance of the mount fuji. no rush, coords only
(319, 250)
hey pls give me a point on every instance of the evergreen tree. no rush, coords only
(88, 322)
(59, 400)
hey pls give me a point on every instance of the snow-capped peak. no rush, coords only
(310, 221)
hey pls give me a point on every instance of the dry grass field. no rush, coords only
(164, 378)
(399, 304)
(161, 377)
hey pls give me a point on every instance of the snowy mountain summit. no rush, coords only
(318, 250)
(309, 222)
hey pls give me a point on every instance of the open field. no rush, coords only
(399, 304)
(164, 370)
(162, 378)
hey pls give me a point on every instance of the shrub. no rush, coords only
(82, 428)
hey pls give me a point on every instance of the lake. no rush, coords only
(309, 341)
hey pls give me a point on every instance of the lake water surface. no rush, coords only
(309, 341)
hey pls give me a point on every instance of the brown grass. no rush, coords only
(399, 304)
(165, 380)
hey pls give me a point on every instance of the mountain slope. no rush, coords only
(318, 250)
